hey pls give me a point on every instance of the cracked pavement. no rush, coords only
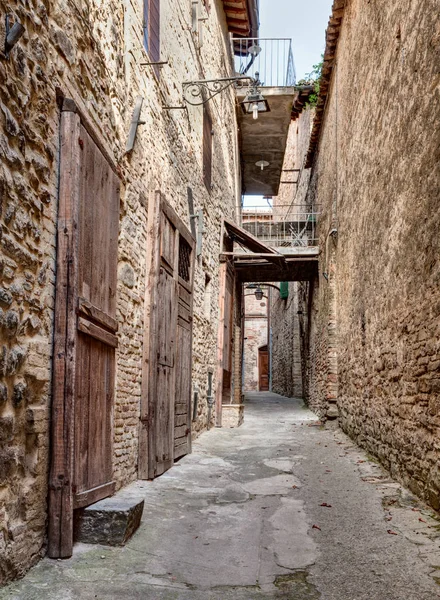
(280, 508)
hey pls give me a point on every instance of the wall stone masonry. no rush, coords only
(255, 336)
(286, 347)
(91, 52)
(373, 320)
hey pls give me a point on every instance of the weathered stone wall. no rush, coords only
(376, 176)
(286, 347)
(91, 52)
(255, 336)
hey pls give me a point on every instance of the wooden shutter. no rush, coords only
(152, 29)
(207, 148)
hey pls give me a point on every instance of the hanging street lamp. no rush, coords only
(254, 103)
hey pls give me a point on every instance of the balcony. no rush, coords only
(288, 229)
(264, 139)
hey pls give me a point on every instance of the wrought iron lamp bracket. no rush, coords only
(200, 92)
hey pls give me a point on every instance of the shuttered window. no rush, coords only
(152, 29)
(207, 148)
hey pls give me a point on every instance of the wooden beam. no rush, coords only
(60, 529)
(150, 309)
(235, 11)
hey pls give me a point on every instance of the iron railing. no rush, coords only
(282, 226)
(268, 59)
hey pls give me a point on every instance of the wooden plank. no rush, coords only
(87, 309)
(146, 431)
(249, 241)
(96, 332)
(60, 531)
(181, 431)
(183, 230)
(180, 419)
(82, 412)
(94, 495)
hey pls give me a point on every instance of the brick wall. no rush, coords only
(92, 53)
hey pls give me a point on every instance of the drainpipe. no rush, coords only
(209, 397)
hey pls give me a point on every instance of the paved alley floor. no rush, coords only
(280, 508)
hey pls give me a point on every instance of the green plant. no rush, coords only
(313, 78)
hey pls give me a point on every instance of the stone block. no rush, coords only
(110, 522)
(232, 415)
(332, 412)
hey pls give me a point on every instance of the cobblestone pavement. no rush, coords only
(281, 508)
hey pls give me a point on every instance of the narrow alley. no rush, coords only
(281, 507)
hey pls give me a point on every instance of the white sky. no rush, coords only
(305, 23)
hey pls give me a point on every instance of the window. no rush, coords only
(207, 148)
(152, 29)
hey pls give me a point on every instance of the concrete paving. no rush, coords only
(281, 508)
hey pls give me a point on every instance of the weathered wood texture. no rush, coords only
(60, 530)
(166, 396)
(85, 340)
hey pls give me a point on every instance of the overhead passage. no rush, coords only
(259, 262)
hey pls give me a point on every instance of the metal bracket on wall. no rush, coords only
(12, 35)
(135, 121)
(200, 230)
(159, 63)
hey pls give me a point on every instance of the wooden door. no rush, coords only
(165, 433)
(96, 323)
(85, 330)
(263, 369)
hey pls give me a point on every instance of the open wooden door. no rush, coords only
(165, 432)
(85, 331)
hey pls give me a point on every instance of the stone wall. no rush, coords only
(255, 336)
(286, 347)
(92, 52)
(373, 320)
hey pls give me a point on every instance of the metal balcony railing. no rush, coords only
(271, 58)
(282, 226)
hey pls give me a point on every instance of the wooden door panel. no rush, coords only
(167, 299)
(164, 419)
(96, 323)
(182, 409)
(98, 228)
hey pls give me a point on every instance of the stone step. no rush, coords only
(111, 521)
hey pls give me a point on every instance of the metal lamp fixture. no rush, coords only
(254, 50)
(255, 102)
(259, 293)
(262, 164)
